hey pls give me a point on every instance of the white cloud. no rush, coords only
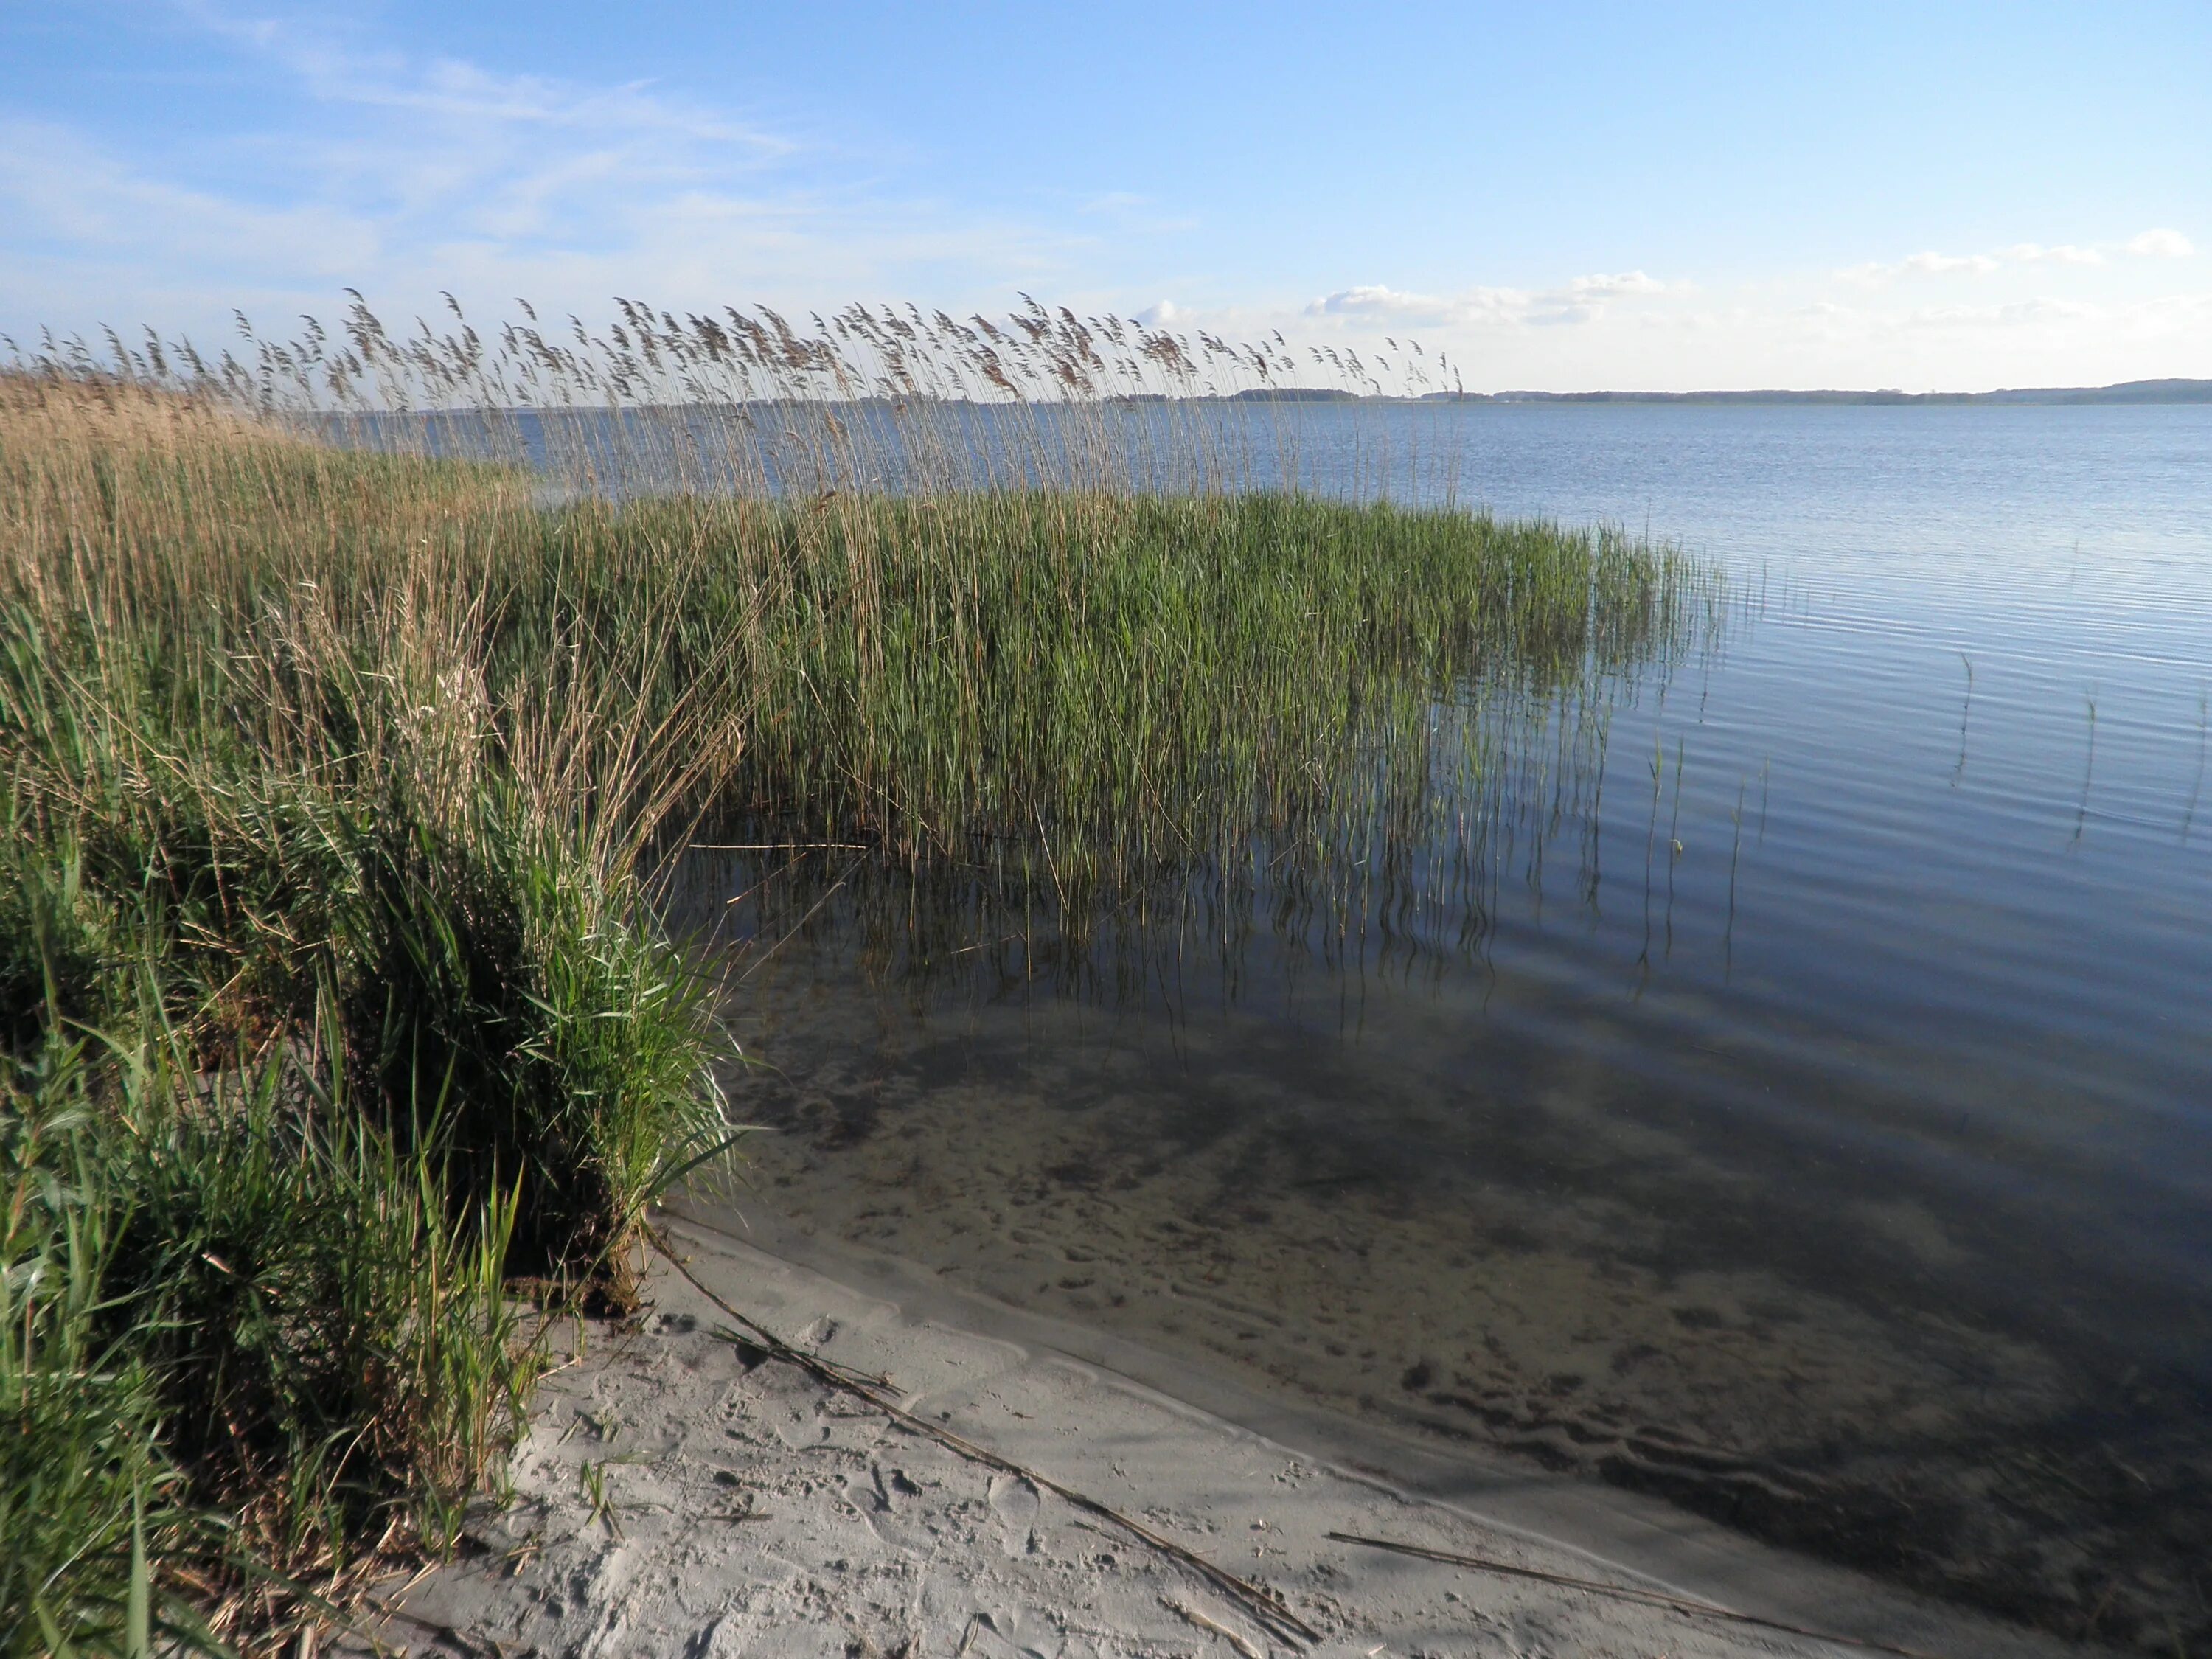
(324, 58)
(2152, 244)
(1937, 263)
(1878, 274)
(2162, 244)
(1779, 333)
(2066, 253)
(65, 189)
(1374, 300)
(1579, 300)
(1609, 288)
(2012, 315)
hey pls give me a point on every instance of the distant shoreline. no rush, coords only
(2170, 392)
(2125, 392)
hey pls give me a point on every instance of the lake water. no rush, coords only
(1815, 1125)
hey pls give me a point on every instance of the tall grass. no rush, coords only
(353, 700)
(328, 959)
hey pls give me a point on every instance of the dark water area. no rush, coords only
(1814, 1124)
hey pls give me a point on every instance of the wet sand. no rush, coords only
(748, 1510)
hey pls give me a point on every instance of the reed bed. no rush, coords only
(358, 701)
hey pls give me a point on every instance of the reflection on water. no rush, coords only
(1797, 1108)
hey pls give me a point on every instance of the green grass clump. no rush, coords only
(1142, 677)
(82, 1480)
(246, 1331)
(331, 1008)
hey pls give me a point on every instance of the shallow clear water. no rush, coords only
(1817, 1128)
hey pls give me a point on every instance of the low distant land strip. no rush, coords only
(2126, 391)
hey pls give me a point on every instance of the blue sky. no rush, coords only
(1563, 196)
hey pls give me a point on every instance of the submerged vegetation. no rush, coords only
(340, 776)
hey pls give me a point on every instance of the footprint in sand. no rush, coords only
(880, 1497)
(742, 1637)
(1015, 1502)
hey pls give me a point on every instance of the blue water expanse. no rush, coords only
(1972, 717)
(1817, 1128)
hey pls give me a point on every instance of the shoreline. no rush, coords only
(871, 1536)
(1515, 1265)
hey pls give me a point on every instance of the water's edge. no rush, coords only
(1671, 1547)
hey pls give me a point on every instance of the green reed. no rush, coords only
(1078, 696)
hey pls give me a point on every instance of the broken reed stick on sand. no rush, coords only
(1264, 1605)
(1191, 1615)
(1625, 1593)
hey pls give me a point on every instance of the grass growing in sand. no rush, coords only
(329, 1002)
(334, 1010)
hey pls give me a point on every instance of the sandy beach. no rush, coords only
(684, 1491)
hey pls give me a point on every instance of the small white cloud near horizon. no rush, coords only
(2155, 244)
(1374, 300)
(2066, 253)
(1580, 301)
(1608, 288)
(2162, 244)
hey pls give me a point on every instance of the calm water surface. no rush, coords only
(1815, 1127)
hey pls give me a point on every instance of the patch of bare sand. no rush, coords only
(682, 1493)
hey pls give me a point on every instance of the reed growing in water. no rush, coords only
(343, 750)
